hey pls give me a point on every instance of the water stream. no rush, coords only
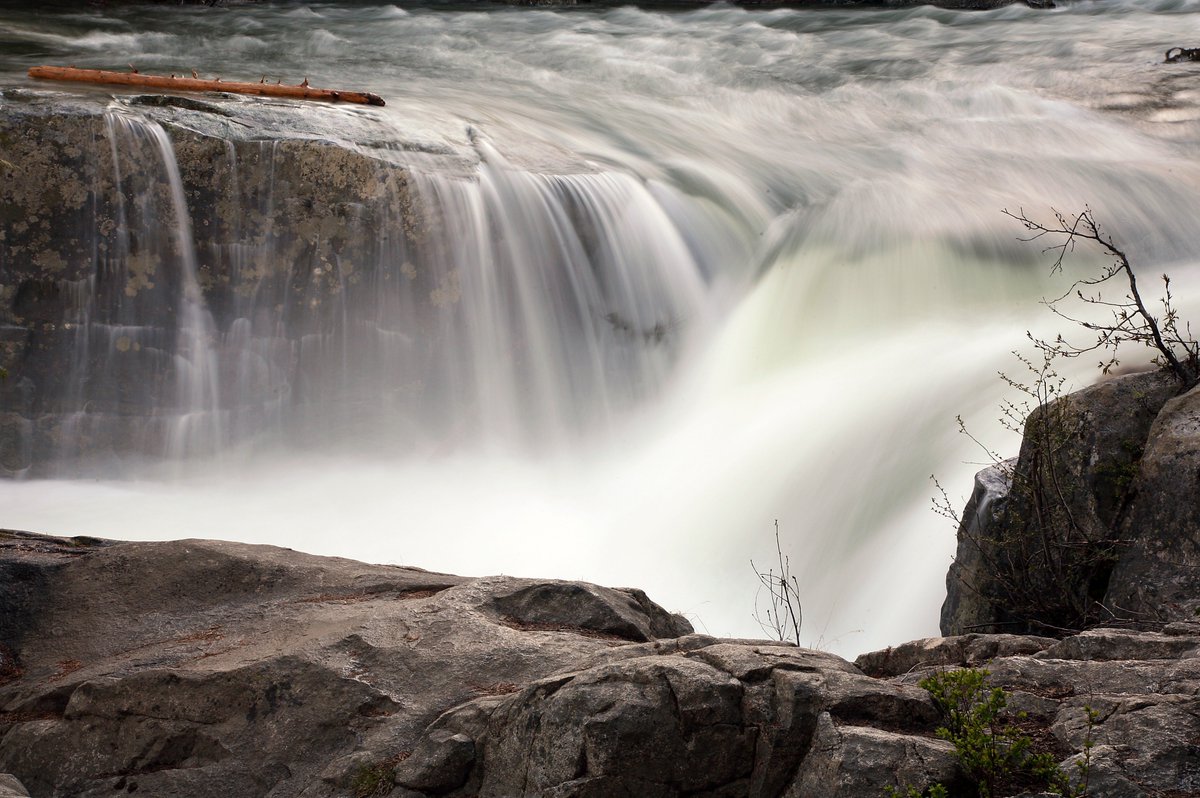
(699, 270)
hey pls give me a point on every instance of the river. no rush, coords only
(798, 214)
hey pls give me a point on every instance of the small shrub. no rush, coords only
(990, 750)
(996, 756)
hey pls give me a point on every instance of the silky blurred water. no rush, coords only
(810, 200)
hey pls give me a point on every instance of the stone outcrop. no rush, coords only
(1095, 521)
(197, 668)
(699, 717)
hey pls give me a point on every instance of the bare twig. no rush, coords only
(1131, 321)
(783, 618)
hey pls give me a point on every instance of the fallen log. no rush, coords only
(301, 91)
(1177, 54)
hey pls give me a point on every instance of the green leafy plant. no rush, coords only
(990, 750)
(995, 755)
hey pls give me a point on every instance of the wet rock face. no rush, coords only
(182, 276)
(138, 239)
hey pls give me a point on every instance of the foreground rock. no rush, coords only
(1145, 687)
(204, 668)
(198, 668)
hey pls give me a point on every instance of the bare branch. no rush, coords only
(1131, 321)
(783, 618)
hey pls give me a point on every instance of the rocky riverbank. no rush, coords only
(197, 668)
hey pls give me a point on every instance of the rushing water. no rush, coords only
(797, 215)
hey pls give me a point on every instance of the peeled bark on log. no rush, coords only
(300, 92)
(1178, 54)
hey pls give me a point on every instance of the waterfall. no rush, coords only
(148, 258)
(528, 309)
(601, 293)
(562, 299)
